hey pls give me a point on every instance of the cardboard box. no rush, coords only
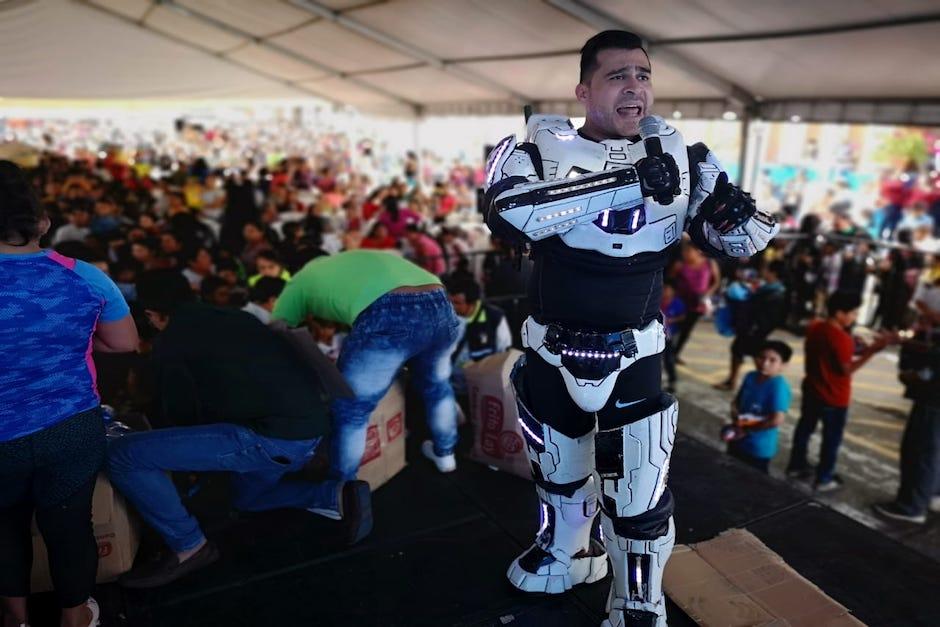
(384, 456)
(116, 532)
(735, 580)
(497, 434)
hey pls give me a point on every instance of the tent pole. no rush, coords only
(742, 154)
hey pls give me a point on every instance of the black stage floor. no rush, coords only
(442, 543)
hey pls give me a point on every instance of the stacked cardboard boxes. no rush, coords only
(497, 434)
(384, 456)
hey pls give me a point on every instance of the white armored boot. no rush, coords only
(636, 596)
(564, 554)
(632, 470)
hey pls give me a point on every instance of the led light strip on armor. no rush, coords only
(544, 209)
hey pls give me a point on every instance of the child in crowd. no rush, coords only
(673, 314)
(328, 337)
(759, 407)
(269, 264)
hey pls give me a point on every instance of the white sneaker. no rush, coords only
(445, 463)
(95, 612)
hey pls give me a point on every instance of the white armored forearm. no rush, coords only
(751, 237)
(539, 209)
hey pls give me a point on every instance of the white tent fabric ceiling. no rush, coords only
(832, 60)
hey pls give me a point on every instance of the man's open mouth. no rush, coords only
(630, 110)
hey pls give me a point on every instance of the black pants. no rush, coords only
(920, 458)
(53, 473)
(685, 329)
(669, 361)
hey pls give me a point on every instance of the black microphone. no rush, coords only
(649, 133)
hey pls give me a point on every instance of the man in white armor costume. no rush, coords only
(600, 207)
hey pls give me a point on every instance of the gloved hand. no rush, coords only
(728, 207)
(659, 177)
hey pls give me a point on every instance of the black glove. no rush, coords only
(728, 207)
(659, 178)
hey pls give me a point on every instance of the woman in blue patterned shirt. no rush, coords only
(54, 311)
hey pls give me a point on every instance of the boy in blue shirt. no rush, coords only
(759, 407)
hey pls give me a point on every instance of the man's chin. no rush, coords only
(628, 130)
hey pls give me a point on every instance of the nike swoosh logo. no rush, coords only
(620, 405)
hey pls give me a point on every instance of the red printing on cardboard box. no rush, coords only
(491, 410)
(492, 414)
(373, 445)
(394, 427)
(510, 442)
(490, 445)
(104, 549)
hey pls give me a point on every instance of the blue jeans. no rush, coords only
(417, 326)
(138, 465)
(812, 410)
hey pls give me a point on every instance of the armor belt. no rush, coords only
(589, 361)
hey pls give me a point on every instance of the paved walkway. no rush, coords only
(870, 453)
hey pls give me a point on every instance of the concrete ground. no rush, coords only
(870, 453)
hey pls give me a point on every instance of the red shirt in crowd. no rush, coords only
(895, 192)
(379, 242)
(828, 350)
(369, 209)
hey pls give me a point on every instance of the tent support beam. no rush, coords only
(832, 29)
(192, 46)
(264, 43)
(407, 49)
(595, 18)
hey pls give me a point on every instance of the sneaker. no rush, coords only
(356, 504)
(828, 486)
(800, 473)
(92, 605)
(934, 504)
(168, 568)
(444, 463)
(894, 512)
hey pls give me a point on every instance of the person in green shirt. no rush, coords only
(398, 313)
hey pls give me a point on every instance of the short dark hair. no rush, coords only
(227, 263)
(163, 290)
(463, 285)
(270, 255)
(605, 40)
(842, 301)
(193, 251)
(209, 285)
(266, 288)
(20, 210)
(778, 346)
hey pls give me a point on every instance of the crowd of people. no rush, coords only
(821, 281)
(173, 229)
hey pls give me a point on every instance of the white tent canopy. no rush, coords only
(836, 60)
